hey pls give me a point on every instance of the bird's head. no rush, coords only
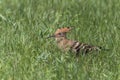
(60, 33)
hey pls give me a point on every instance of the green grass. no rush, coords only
(26, 54)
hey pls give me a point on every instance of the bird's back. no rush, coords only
(77, 47)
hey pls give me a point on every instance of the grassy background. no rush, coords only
(26, 54)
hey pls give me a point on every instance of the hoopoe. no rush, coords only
(71, 45)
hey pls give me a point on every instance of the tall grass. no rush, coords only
(26, 54)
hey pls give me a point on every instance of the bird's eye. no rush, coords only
(59, 33)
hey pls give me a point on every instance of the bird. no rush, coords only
(66, 44)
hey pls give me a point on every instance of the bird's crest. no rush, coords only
(63, 30)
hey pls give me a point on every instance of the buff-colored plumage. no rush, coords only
(71, 45)
(62, 30)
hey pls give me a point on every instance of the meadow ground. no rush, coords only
(26, 54)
